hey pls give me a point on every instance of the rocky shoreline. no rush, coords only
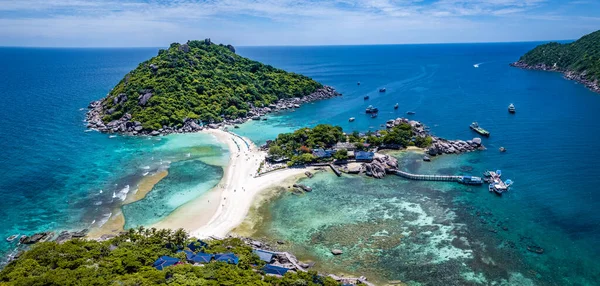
(580, 77)
(126, 126)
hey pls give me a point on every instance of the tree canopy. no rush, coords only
(127, 260)
(582, 55)
(298, 145)
(199, 80)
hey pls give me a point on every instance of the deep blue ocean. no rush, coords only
(53, 171)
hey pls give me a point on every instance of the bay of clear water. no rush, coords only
(551, 143)
(55, 176)
(53, 171)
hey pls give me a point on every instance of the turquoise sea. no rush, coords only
(429, 233)
(56, 176)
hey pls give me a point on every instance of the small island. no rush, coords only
(189, 86)
(579, 60)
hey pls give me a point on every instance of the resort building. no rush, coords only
(362, 156)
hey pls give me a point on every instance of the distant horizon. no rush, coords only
(142, 23)
(290, 46)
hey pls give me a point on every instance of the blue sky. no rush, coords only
(155, 23)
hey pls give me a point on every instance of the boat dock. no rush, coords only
(438, 178)
(336, 171)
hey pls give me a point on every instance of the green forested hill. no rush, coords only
(199, 80)
(581, 56)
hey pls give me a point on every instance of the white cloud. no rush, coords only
(158, 22)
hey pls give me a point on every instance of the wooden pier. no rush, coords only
(439, 178)
(336, 171)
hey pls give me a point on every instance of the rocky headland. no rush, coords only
(577, 60)
(125, 125)
(439, 145)
(580, 77)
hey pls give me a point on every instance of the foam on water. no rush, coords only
(122, 194)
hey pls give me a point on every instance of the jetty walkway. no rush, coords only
(439, 178)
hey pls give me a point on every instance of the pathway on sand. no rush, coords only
(225, 207)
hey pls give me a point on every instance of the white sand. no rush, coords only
(225, 207)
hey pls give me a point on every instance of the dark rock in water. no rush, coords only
(80, 233)
(308, 174)
(280, 242)
(535, 249)
(336, 252)
(154, 133)
(303, 187)
(63, 236)
(41, 236)
(426, 159)
(18, 254)
(256, 243)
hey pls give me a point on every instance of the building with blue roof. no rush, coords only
(188, 254)
(362, 156)
(227, 257)
(321, 153)
(165, 261)
(275, 270)
(202, 258)
(264, 255)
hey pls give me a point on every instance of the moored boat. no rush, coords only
(12, 237)
(358, 83)
(475, 127)
(351, 119)
(511, 108)
(470, 180)
(496, 184)
(366, 97)
(396, 106)
(371, 109)
(382, 89)
(410, 112)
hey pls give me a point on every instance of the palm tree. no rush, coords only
(180, 236)
(131, 234)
